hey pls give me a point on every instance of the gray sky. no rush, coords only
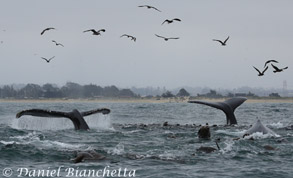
(258, 30)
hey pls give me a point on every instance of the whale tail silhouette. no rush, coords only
(75, 116)
(228, 107)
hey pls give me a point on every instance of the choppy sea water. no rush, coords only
(136, 143)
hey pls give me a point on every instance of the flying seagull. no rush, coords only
(57, 44)
(166, 39)
(269, 61)
(46, 29)
(223, 43)
(150, 7)
(171, 21)
(261, 73)
(129, 36)
(48, 60)
(277, 69)
(95, 32)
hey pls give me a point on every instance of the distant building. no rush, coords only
(275, 95)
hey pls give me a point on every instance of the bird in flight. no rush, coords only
(222, 43)
(278, 69)
(269, 61)
(171, 21)
(150, 7)
(48, 60)
(57, 44)
(166, 39)
(46, 29)
(95, 32)
(129, 36)
(261, 73)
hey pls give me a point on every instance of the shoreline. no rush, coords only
(145, 100)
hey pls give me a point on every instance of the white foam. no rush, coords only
(60, 145)
(132, 131)
(118, 150)
(260, 135)
(277, 125)
(34, 139)
(167, 156)
(228, 148)
(168, 132)
(8, 143)
(32, 136)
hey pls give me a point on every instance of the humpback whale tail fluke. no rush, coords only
(228, 107)
(75, 116)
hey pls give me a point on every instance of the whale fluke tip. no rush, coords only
(18, 115)
(105, 111)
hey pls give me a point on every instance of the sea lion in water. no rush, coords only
(75, 116)
(165, 124)
(91, 155)
(204, 132)
(269, 147)
(208, 149)
(228, 107)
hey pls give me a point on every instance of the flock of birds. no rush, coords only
(223, 43)
(99, 32)
(276, 69)
(167, 21)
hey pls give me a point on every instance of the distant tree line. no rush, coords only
(70, 90)
(182, 93)
(214, 94)
(75, 91)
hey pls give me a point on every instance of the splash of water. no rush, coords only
(277, 125)
(98, 121)
(118, 150)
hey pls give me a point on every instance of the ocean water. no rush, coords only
(136, 143)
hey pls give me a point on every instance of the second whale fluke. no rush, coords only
(228, 107)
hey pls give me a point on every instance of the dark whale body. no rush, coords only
(75, 116)
(228, 107)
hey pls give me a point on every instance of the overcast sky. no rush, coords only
(258, 30)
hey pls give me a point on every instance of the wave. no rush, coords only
(118, 150)
(277, 125)
(260, 135)
(38, 140)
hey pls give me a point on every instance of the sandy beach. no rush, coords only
(146, 100)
